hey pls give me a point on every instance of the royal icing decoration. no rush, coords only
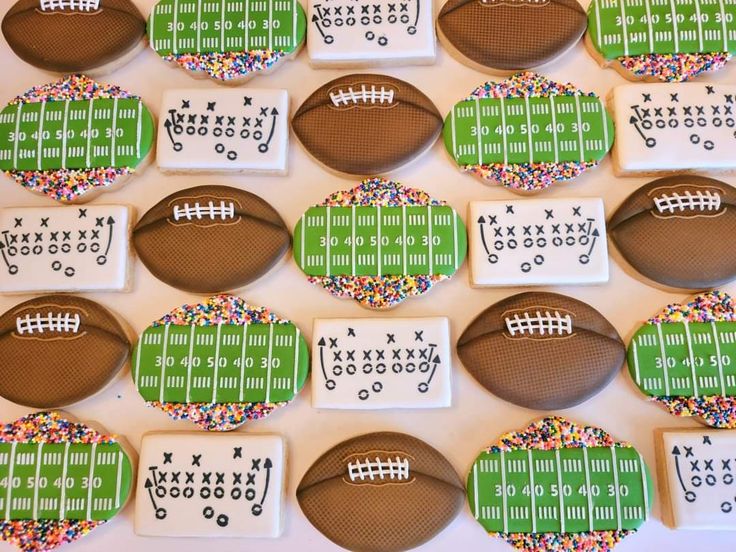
(193, 485)
(675, 127)
(224, 130)
(64, 248)
(70, 5)
(370, 363)
(537, 242)
(370, 32)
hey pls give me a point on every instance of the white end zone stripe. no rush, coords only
(17, 130)
(476, 509)
(617, 488)
(296, 359)
(304, 232)
(9, 490)
(644, 486)
(454, 135)
(604, 120)
(118, 478)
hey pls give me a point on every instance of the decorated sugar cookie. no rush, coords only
(379, 243)
(660, 230)
(74, 137)
(560, 486)
(684, 358)
(220, 363)
(228, 41)
(384, 492)
(70, 36)
(542, 350)
(59, 349)
(61, 480)
(662, 41)
(527, 132)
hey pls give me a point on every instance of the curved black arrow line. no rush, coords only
(268, 465)
(634, 121)
(2, 250)
(481, 222)
(416, 19)
(676, 454)
(168, 124)
(592, 245)
(149, 486)
(110, 225)
(434, 362)
(274, 115)
(315, 20)
(321, 356)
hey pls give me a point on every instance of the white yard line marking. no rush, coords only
(431, 236)
(454, 238)
(529, 129)
(293, 23)
(587, 487)
(16, 142)
(504, 499)
(691, 357)
(636, 362)
(114, 130)
(190, 360)
(604, 120)
(139, 130)
(65, 464)
(89, 131)
(223, 47)
(531, 491)
(352, 239)
(327, 243)
(64, 131)
(650, 27)
(296, 359)
(162, 383)
(663, 356)
(118, 478)
(503, 132)
(242, 361)
(476, 510)
(378, 229)
(39, 152)
(9, 490)
(581, 142)
(90, 481)
(270, 353)
(478, 131)
(598, 23)
(718, 354)
(304, 232)
(199, 22)
(617, 489)
(560, 488)
(454, 135)
(676, 31)
(403, 236)
(554, 128)
(625, 30)
(644, 486)
(216, 374)
(270, 24)
(724, 30)
(700, 25)
(175, 44)
(39, 461)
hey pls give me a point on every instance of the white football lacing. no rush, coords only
(543, 323)
(59, 322)
(364, 95)
(710, 201)
(208, 210)
(81, 5)
(516, 2)
(378, 469)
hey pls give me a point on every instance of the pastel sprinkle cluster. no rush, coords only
(379, 192)
(47, 427)
(674, 67)
(528, 176)
(714, 410)
(217, 417)
(602, 541)
(227, 65)
(71, 87)
(66, 185)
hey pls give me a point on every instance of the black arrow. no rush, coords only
(315, 20)
(481, 222)
(676, 454)
(149, 487)
(416, 19)
(2, 250)
(268, 465)
(322, 344)
(634, 121)
(168, 124)
(110, 227)
(435, 362)
(274, 115)
(592, 243)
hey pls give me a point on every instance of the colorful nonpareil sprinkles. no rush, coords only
(674, 67)
(71, 87)
(217, 417)
(715, 410)
(67, 185)
(228, 65)
(379, 192)
(526, 85)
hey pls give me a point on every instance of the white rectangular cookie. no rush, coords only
(674, 128)
(376, 363)
(697, 474)
(224, 130)
(529, 242)
(64, 248)
(369, 33)
(210, 485)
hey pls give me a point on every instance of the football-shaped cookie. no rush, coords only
(381, 492)
(210, 238)
(69, 36)
(59, 349)
(542, 350)
(510, 35)
(660, 230)
(363, 125)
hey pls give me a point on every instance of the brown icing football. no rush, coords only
(542, 350)
(68, 36)
(511, 35)
(59, 349)
(364, 125)
(381, 492)
(210, 239)
(662, 227)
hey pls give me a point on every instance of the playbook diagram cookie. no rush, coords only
(662, 40)
(228, 41)
(98, 35)
(684, 358)
(60, 480)
(73, 137)
(503, 36)
(560, 486)
(527, 132)
(660, 230)
(220, 363)
(379, 243)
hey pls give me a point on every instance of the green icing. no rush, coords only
(523, 491)
(634, 27)
(63, 481)
(528, 130)
(74, 134)
(227, 363)
(380, 241)
(206, 26)
(665, 359)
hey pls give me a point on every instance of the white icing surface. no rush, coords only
(370, 32)
(701, 477)
(670, 127)
(64, 248)
(374, 363)
(231, 457)
(537, 242)
(240, 129)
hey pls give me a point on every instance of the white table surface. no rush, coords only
(476, 418)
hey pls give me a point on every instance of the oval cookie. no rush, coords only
(527, 132)
(379, 243)
(220, 363)
(559, 486)
(684, 358)
(660, 230)
(542, 350)
(58, 350)
(210, 238)
(72, 137)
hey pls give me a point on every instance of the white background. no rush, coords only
(476, 418)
